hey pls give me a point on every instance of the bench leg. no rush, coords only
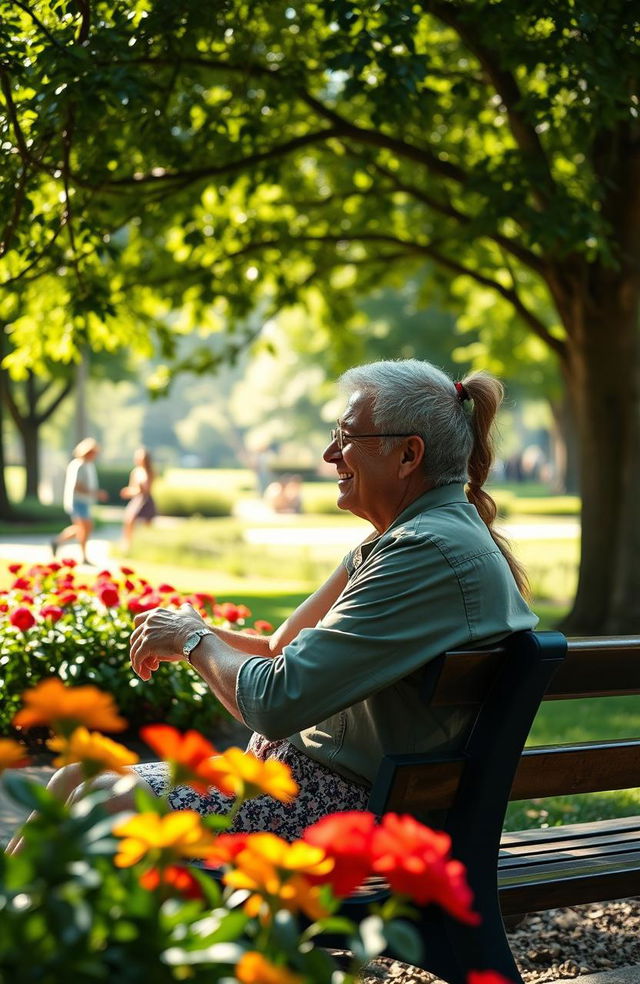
(452, 949)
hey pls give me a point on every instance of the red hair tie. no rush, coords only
(462, 392)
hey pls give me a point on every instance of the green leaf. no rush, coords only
(405, 940)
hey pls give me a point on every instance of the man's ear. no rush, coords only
(412, 455)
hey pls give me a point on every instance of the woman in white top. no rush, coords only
(80, 491)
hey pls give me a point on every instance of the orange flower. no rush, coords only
(253, 968)
(249, 776)
(193, 760)
(162, 839)
(12, 755)
(64, 708)
(280, 874)
(416, 862)
(95, 752)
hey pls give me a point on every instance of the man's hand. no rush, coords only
(159, 636)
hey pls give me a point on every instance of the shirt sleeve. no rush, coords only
(403, 608)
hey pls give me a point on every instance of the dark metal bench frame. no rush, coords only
(467, 794)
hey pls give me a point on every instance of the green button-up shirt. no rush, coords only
(433, 581)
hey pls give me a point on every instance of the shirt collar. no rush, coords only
(431, 499)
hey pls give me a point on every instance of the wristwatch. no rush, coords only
(193, 640)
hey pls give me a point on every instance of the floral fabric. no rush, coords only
(321, 792)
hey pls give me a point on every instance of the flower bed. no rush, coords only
(55, 622)
(93, 897)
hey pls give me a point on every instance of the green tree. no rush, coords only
(217, 158)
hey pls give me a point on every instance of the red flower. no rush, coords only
(4, 607)
(67, 598)
(143, 603)
(103, 575)
(127, 571)
(21, 583)
(226, 849)
(262, 626)
(487, 977)
(416, 862)
(51, 612)
(166, 588)
(69, 562)
(108, 594)
(243, 611)
(175, 877)
(55, 566)
(345, 837)
(129, 585)
(22, 618)
(229, 611)
(15, 568)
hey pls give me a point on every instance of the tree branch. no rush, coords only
(18, 204)
(216, 171)
(55, 403)
(506, 86)
(526, 256)
(428, 249)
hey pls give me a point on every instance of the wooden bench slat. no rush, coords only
(591, 767)
(586, 673)
(466, 675)
(558, 852)
(556, 892)
(528, 838)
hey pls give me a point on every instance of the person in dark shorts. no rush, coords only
(141, 507)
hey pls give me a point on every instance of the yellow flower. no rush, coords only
(64, 708)
(95, 752)
(253, 968)
(251, 776)
(162, 839)
(280, 874)
(12, 754)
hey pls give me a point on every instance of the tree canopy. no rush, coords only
(171, 165)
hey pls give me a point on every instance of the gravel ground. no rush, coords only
(557, 945)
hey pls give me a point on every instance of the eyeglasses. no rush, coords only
(340, 438)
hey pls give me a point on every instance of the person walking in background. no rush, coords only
(80, 492)
(138, 491)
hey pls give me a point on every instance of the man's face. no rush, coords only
(368, 483)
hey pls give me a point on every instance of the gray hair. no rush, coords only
(409, 395)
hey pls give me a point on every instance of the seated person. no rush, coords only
(336, 687)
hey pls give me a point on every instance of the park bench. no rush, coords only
(466, 794)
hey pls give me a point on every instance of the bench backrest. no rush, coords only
(604, 667)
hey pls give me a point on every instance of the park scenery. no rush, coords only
(208, 212)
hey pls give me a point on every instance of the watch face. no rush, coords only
(191, 643)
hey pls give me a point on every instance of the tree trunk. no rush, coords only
(603, 374)
(565, 450)
(6, 509)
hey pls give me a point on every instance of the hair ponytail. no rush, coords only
(487, 394)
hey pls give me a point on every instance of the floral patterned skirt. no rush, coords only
(321, 791)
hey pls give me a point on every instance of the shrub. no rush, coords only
(54, 622)
(92, 897)
(112, 478)
(176, 500)
(320, 498)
